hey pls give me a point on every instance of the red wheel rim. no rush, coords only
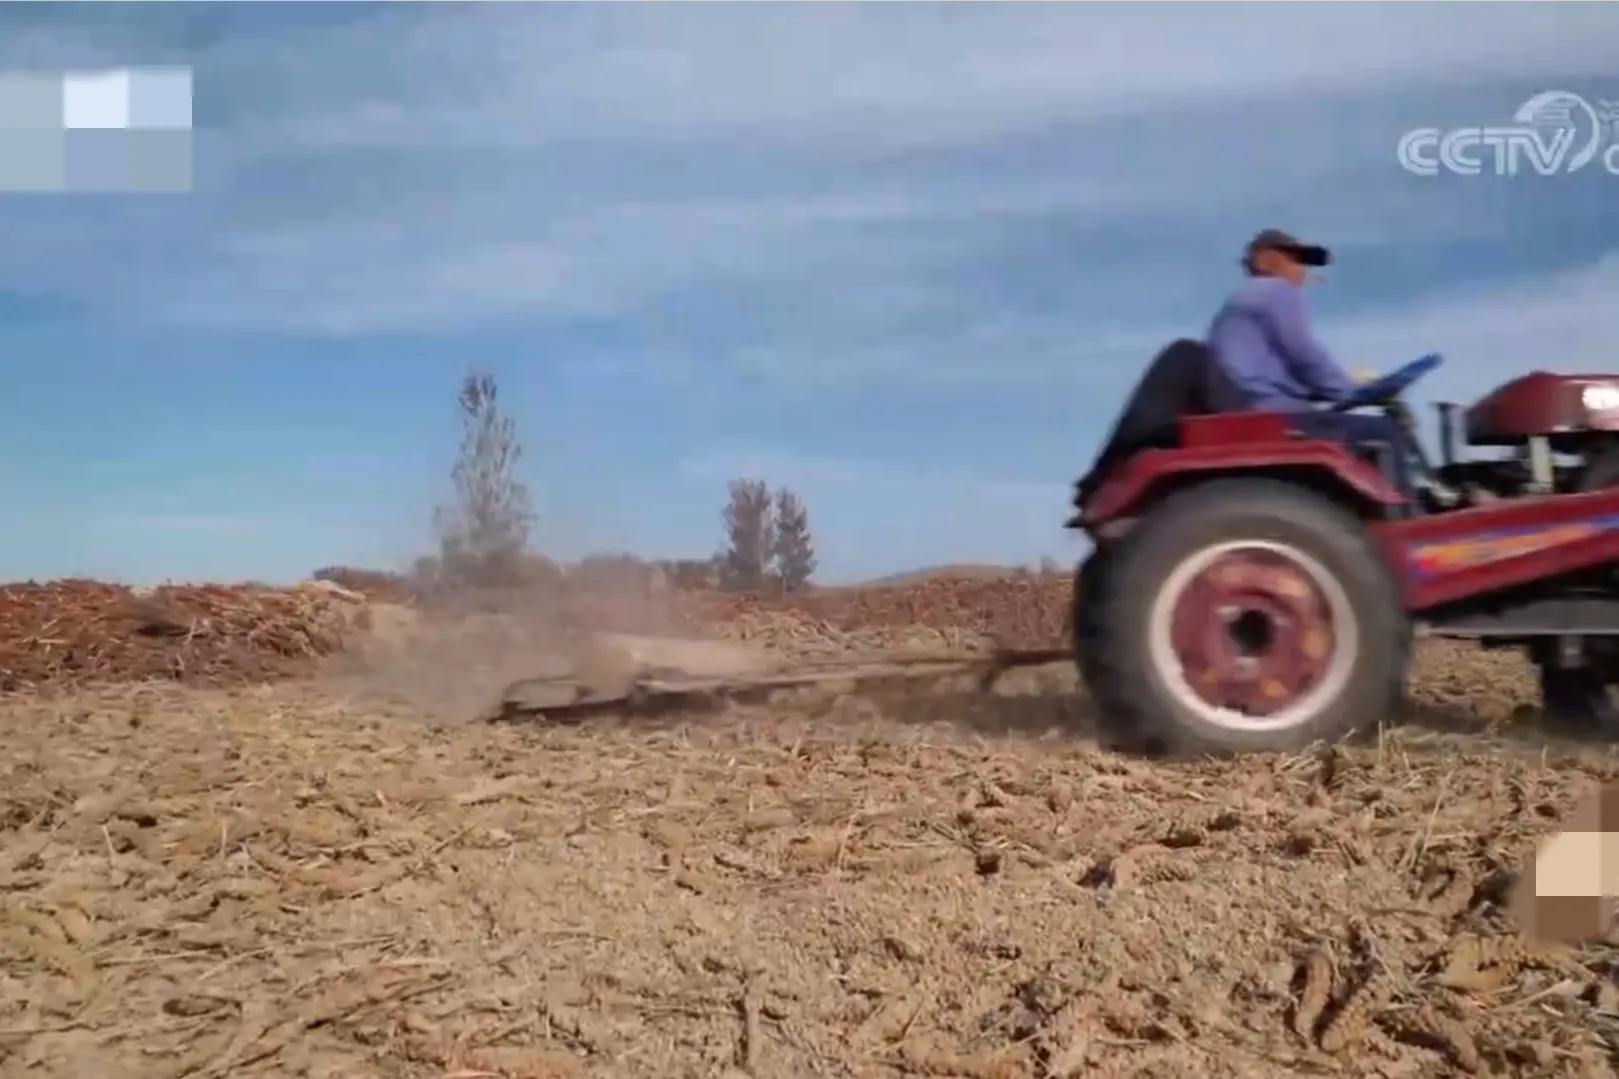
(1252, 632)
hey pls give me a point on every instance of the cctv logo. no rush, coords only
(1555, 131)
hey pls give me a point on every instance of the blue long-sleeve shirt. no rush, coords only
(1262, 338)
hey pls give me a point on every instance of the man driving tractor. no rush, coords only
(1260, 355)
(1272, 362)
(1246, 591)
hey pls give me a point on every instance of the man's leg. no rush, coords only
(1360, 430)
(1169, 388)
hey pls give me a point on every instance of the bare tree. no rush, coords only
(751, 535)
(693, 573)
(793, 548)
(482, 537)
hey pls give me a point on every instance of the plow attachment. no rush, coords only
(621, 674)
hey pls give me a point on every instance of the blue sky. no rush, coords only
(904, 258)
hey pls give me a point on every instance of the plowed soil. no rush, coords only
(279, 880)
(1027, 611)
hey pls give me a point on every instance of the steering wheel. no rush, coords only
(1385, 389)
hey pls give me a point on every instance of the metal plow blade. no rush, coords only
(621, 674)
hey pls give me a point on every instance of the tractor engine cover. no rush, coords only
(1542, 403)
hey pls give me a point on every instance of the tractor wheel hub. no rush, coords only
(1253, 632)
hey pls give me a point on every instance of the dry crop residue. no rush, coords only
(78, 632)
(207, 882)
(1017, 612)
(81, 632)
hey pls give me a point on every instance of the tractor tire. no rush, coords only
(1087, 582)
(1267, 596)
(1577, 701)
(1602, 469)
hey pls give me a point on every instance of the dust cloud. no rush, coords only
(453, 652)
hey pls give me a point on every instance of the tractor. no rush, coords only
(1250, 589)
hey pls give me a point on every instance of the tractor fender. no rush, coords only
(1324, 466)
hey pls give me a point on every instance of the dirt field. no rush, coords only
(203, 881)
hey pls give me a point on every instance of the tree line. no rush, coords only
(770, 547)
(484, 532)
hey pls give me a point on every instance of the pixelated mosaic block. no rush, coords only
(120, 130)
(1570, 892)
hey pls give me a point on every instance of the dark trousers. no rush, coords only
(1182, 380)
(1360, 431)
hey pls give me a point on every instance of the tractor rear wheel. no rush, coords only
(1601, 468)
(1087, 590)
(1241, 615)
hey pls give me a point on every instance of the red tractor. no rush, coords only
(1250, 589)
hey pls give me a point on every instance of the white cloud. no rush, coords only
(371, 274)
(424, 169)
(1562, 322)
(904, 75)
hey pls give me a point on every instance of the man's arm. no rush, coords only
(1308, 359)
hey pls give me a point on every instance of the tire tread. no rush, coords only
(1111, 615)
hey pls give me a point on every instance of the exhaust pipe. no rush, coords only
(1447, 431)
